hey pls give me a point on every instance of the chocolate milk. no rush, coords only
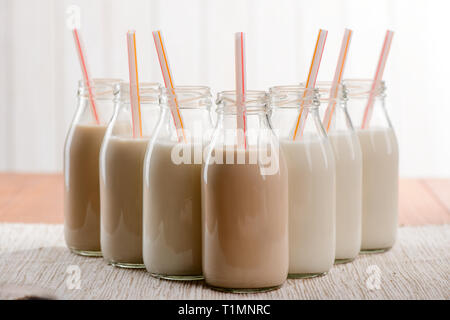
(245, 225)
(121, 200)
(172, 216)
(82, 190)
(380, 188)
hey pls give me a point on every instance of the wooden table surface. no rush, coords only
(38, 198)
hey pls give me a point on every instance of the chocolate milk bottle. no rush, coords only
(245, 202)
(81, 168)
(172, 202)
(121, 166)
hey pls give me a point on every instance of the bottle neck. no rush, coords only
(365, 103)
(247, 112)
(294, 112)
(96, 101)
(332, 110)
(242, 121)
(185, 114)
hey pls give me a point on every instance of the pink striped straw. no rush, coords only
(311, 81)
(168, 82)
(241, 87)
(85, 71)
(378, 77)
(337, 78)
(134, 85)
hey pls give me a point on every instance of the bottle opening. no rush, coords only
(255, 101)
(362, 88)
(102, 88)
(187, 97)
(149, 92)
(293, 96)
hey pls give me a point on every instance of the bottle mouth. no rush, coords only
(187, 97)
(149, 92)
(324, 91)
(101, 88)
(362, 88)
(293, 97)
(254, 102)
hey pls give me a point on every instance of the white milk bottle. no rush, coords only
(172, 242)
(348, 157)
(311, 180)
(380, 165)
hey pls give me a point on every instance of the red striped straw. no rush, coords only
(85, 71)
(337, 78)
(168, 82)
(311, 81)
(378, 77)
(241, 87)
(134, 85)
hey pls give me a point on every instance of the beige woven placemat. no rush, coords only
(34, 257)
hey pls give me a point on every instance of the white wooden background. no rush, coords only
(39, 70)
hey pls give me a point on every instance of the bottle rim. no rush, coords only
(255, 102)
(149, 92)
(362, 88)
(293, 97)
(103, 88)
(187, 97)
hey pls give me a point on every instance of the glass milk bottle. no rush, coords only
(121, 166)
(380, 166)
(81, 167)
(312, 187)
(172, 247)
(348, 158)
(245, 201)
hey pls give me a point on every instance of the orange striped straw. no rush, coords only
(168, 82)
(311, 81)
(241, 87)
(85, 71)
(378, 77)
(135, 100)
(337, 78)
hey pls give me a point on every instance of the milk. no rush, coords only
(380, 188)
(348, 158)
(171, 216)
(245, 224)
(82, 190)
(121, 200)
(312, 225)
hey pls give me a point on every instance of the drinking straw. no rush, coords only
(378, 77)
(337, 78)
(241, 87)
(311, 81)
(168, 82)
(135, 100)
(85, 71)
